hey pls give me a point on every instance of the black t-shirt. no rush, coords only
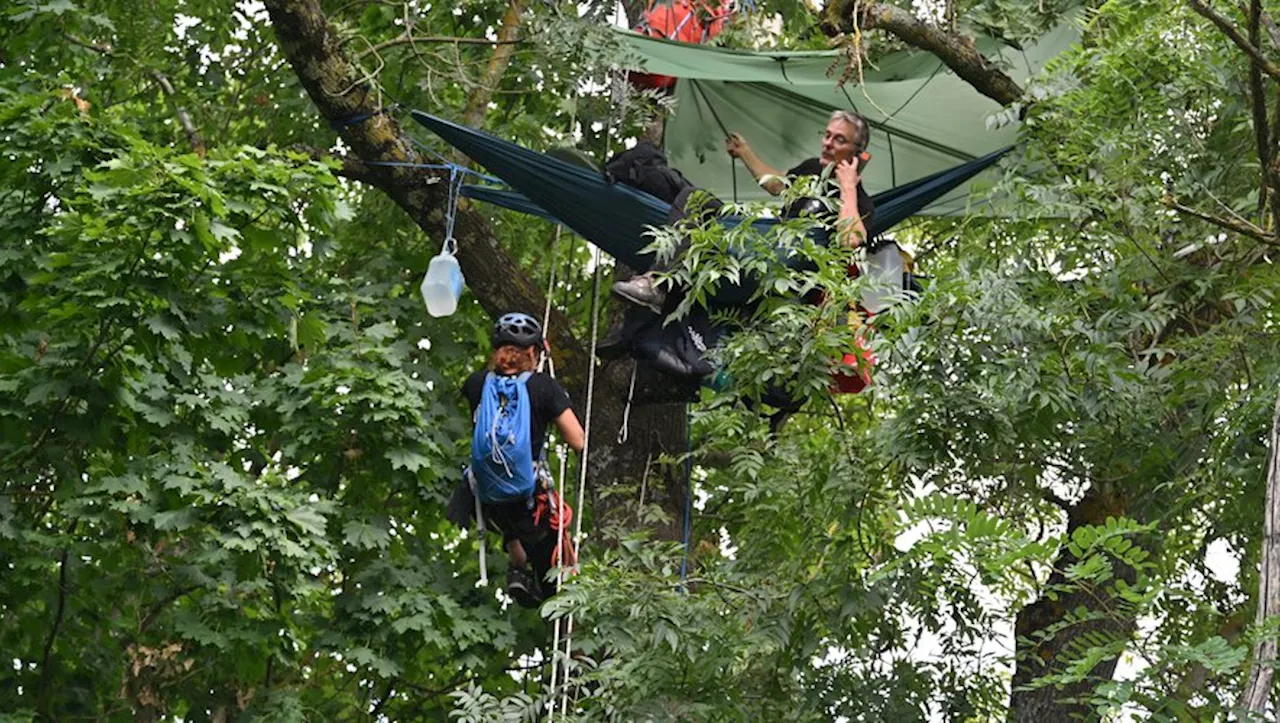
(813, 167)
(547, 401)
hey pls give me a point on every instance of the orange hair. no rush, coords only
(515, 356)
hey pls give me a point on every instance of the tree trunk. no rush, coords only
(1035, 659)
(655, 428)
(1258, 689)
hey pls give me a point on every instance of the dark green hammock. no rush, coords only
(614, 216)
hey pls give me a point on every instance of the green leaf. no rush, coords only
(407, 459)
(366, 536)
(164, 325)
(308, 519)
(58, 7)
(175, 520)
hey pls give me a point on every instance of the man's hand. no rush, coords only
(769, 177)
(736, 145)
(848, 175)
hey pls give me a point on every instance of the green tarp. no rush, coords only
(924, 118)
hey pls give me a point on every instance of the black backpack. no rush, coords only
(645, 167)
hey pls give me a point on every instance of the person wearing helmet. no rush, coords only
(842, 156)
(528, 538)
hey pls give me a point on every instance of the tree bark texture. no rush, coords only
(1036, 659)
(657, 426)
(1258, 688)
(957, 51)
(344, 98)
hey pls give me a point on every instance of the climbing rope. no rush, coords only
(582, 485)
(624, 431)
(561, 533)
(546, 361)
(617, 87)
(688, 498)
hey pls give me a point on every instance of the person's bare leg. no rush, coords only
(515, 551)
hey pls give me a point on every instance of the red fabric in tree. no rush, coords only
(682, 21)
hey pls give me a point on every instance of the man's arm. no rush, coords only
(850, 229)
(737, 147)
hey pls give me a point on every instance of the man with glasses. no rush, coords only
(843, 154)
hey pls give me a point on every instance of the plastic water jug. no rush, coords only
(883, 278)
(442, 286)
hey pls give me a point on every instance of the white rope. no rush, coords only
(582, 485)
(555, 643)
(625, 430)
(586, 440)
(546, 322)
(586, 432)
(644, 479)
(546, 360)
(481, 530)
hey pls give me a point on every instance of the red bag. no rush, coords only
(681, 21)
(845, 383)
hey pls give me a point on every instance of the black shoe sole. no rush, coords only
(523, 588)
(655, 308)
(523, 596)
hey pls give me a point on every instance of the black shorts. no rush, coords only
(515, 521)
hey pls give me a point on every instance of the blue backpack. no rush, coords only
(501, 448)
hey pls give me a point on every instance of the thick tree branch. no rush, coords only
(343, 96)
(1258, 688)
(958, 52)
(1231, 31)
(479, 100)
(1241, 227)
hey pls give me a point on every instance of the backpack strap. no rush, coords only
(540, 462)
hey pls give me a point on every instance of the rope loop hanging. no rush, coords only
(450, 245)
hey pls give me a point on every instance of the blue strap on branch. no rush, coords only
(338, 125)
(437, 167)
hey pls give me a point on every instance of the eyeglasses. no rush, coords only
(835, 138)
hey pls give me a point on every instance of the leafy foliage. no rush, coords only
(228, 433)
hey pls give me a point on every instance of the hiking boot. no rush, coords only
(641, 291)
(523, 588)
